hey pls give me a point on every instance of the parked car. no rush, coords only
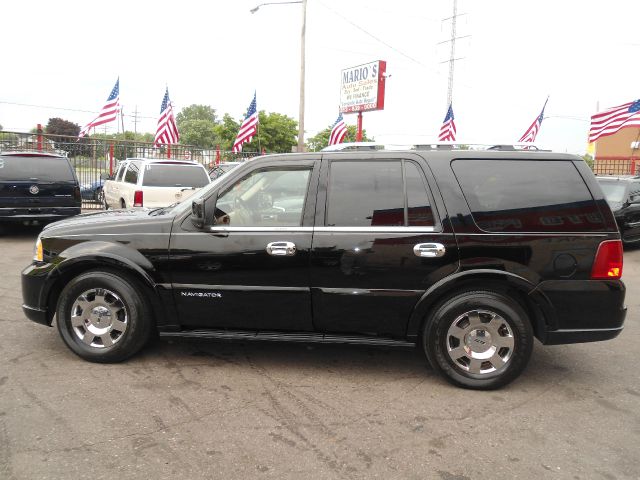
(222, 168)
(467, 255)
(623, 196)
(37, 187)
(93, 191)
(150, 183)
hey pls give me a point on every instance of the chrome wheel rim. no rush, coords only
(99, 318)
(480, 342)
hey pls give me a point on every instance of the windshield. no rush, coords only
(613, 191)
(49, 169)
(160, 175)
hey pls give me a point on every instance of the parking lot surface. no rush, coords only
(234, 410)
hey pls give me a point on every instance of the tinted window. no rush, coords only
(157, 175)
(38, 168)
(131, 176)
(363, 194)
(527, 195)
(273, 197)
(419, 212)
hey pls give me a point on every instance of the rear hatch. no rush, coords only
(37, 181)
(166, 183)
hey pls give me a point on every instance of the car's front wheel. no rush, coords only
(102, 317)
(478, 339)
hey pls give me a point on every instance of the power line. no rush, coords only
(371, 35)
(63, 108)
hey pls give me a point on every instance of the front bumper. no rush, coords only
(34, 296)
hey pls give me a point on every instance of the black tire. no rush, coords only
(500, 322)
(123, 296)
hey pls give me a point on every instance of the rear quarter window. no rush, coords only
(527, 196)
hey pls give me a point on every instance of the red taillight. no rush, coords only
(608, 262)
(137, 198)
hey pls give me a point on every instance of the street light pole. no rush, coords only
(302, 64)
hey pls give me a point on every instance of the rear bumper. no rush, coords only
(20, 214)
(561, 337)
(585, 310)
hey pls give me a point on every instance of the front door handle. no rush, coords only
(279, 249)
(429, 250)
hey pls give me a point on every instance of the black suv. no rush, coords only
(37, 187)
(468, 255)
(623, 196)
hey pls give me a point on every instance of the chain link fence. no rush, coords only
(94, 159)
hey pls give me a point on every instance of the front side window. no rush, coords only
(131, 175)
(265, 198)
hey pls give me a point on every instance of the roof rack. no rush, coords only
(511, 147)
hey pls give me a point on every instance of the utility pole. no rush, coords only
(135, 122)
(302, 75)
(452, 51)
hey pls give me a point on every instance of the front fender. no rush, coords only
(90, 255)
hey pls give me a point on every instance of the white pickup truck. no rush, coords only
(143, 182)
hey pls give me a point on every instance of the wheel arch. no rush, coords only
(536, 305)
(72, 267)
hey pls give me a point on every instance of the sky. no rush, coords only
(61, 59)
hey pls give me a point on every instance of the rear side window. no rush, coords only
(131, 175)
(50, 169)
(158, 175)
(364, 194)
(527, 196)
(377, 194)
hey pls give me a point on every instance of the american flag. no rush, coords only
(615, 118)
(248, 128)
(338, 131)
(167, 132)
(532, 131)
(448, 129)
(108, 113)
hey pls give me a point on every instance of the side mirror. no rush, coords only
(197, 213)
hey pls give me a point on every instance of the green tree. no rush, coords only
(321, 139)
(277, 133)
(588, 159)
(196, 124)
(226, 132)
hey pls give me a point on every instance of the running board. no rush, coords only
(299, 337)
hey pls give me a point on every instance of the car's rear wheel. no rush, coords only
(102, 317)
(478, 339)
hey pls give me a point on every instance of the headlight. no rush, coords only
(37, 251)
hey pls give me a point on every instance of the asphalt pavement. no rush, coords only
(286, 411)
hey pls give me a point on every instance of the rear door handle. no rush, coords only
(280, 249)
(429, 250)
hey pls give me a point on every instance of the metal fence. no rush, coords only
(95, 158)
(617, 166)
